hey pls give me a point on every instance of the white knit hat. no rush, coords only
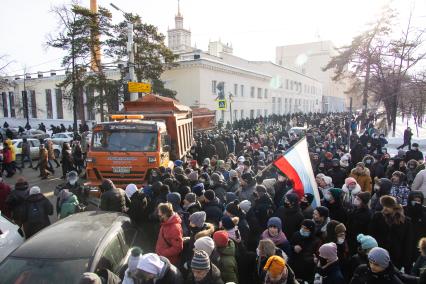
(206, 244)
(131, 189)
(134, 258)
(35, 190)
(151, 263)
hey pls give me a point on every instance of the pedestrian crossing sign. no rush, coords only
(221, 104)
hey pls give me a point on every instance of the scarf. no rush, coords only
(278, 239)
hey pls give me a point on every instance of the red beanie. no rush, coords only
(221, 238)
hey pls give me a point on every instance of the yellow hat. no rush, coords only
(275, 265)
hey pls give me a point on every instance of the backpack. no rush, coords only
(35, 213)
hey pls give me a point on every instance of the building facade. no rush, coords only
(310, 59)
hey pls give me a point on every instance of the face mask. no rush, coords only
(72, 182)
(327, 196)
(154, 174)
(340, 241)
(368, 145)
(415, 148)
(322, 261)
(390, 163)
(368, 161)
(376, 187)
(415, 203)
(351, 187)
(281, 178)
(317, 150)
(304, 233)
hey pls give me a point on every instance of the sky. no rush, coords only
(254, 28)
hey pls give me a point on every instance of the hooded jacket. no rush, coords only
(170, 242)
(417, 214)
(349, 195)
(68, 206)
(362, 177)
(419, 183)
(113, 199)
(228, 263)
(15, 201)
(41, 203)
(169, 273)
(385, 188)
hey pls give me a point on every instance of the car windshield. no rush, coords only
(124, 140)
(42, 271)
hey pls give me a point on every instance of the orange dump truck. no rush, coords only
(146, 134)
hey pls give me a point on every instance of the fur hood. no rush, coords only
(353, 192)
(360, 172)
(207, 231)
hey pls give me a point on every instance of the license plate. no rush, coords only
(120, 170)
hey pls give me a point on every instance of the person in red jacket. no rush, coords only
(4, 193)
(170, 238)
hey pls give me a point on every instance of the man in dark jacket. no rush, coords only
(358, 220)
(37, 211)
(263, 207)
(4, 194)
(16, 198)
(203, 271)
(112, 198)
(290, 214)
(407, 139)
(414, 153)
(212, 207)
(417, 213)
(380, 270)
(337, 173)
(26, 153)
(153, 268)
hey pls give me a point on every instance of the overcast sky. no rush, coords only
(253, 27)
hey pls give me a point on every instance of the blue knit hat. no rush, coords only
(178, 163)
(379, 256)
(366, 242)
(198, 189)
(275, 222)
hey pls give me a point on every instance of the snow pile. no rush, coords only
(396, 141)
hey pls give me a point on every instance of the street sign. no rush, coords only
(221, 104)
(136, 87)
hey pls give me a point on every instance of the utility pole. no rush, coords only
(230, 108)
(130, 51)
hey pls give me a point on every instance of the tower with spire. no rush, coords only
(179, 39)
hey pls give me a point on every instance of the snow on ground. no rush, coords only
(396, 141)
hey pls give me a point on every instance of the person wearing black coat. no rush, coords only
(304, 244)
(290, 214)
(393, 232)
(417, 213)
(37, 211)
(212, 207)
(66, 160)
(357, 153)
(334, 203)
(358, 220)
(16, 198)
(381, 188)
(337, 173)
(281, 187)
(414, 153)
(263, 207)
(112, 198)
(138, 208)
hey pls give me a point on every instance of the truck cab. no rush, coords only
(144, 136)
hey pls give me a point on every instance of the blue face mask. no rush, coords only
(304, 234)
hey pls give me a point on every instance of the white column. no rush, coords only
(54, 106)
(86, 113)
(9, 109)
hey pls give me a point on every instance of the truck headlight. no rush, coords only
(90, 160)
(152, 159)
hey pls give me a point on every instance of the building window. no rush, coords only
(252, 113)
(286, 84)
(242, 114)
(258, 113)
(235, 90)
(214, 86)
(265, 112)
(59, 108)
(259, 93)
(49, 112)
(4, 100)
(12, 104)
(242, 91)
(235, 115)
(33, 104)
(252, 92)
(266, 93)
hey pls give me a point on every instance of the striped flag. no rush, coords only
(296, 165)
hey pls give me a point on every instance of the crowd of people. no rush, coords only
(226, 215)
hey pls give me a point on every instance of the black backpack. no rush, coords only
(35, 213)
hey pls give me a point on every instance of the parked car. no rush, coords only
(10, 238)
(34, 148)
(34, 133)
(14, 131)
(60, 138)
(62, 252)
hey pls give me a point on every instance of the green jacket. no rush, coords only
(68, 207)
(228, 264)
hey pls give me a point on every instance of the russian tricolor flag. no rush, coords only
(296, 165)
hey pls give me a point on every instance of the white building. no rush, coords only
(309, 59)
(257, 88)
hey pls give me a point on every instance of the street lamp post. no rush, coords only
(130, 51)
